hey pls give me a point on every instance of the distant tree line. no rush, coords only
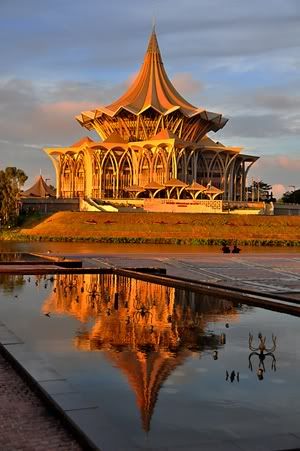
(11, 181)
(291, 197)
(261, 191)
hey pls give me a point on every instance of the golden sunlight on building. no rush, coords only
(145, 330)
(153, 144)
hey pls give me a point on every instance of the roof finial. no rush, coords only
(153, 23)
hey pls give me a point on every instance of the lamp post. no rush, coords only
(46, 210)
(257, 184)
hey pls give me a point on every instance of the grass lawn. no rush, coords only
(167, 227)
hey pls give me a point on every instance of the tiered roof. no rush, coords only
(152, 89)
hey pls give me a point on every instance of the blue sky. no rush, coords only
(237, 57)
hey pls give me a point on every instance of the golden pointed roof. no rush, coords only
(82, 141)
(39, 189)
(134, 188)
(210, 144)
(212, 190)
(153, 185)
(152, 88)
(115, 138)
(175, 182)
(195, 187)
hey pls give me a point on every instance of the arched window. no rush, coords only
(159, 169)
(202, 169)
(79, 182)
(190, 176)
(125, 175)
(96, 176)
(144, 170)
(67, 178)
(109, 174)
(216, 172)
(180, 168)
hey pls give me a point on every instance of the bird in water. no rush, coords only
(215, 355)
(47, 314)
(227, 325)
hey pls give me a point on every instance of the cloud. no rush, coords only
(279, 102)
(38, 114)
(262, 126)
(278, 190)
(284, 162)
(186, 84)
(278, 170)
(61, 37)
(280, 162)
(66, 108)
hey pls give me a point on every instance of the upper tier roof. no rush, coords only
(153, 89)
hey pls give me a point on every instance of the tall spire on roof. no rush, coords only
(153, 44)
(151, 88)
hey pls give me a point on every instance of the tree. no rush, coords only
(258, 190)
(11, 181)
(291, 197)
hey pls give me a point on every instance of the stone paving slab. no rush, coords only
(103, 434)
(248, 272)
(8, 337)
(25, 423)
(72, 401)
(56, 387)
(34, 365)
(269, 273)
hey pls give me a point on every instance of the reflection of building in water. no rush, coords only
(146, 330)
(8, 282)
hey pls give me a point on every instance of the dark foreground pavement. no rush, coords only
(25, 422)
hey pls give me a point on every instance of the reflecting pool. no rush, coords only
(167, 366)
(18, 256)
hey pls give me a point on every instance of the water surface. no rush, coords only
(168, 367)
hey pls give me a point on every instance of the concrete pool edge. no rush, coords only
(39, 375)
(83, 418)
(238, 295)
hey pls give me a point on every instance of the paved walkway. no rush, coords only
(263, 272)
(25, 423)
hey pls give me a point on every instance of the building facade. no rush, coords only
(153, 143)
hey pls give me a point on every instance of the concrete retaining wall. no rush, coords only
(48, 205)
(183, 206)
(287, 209)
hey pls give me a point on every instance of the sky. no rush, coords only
(237, 57)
